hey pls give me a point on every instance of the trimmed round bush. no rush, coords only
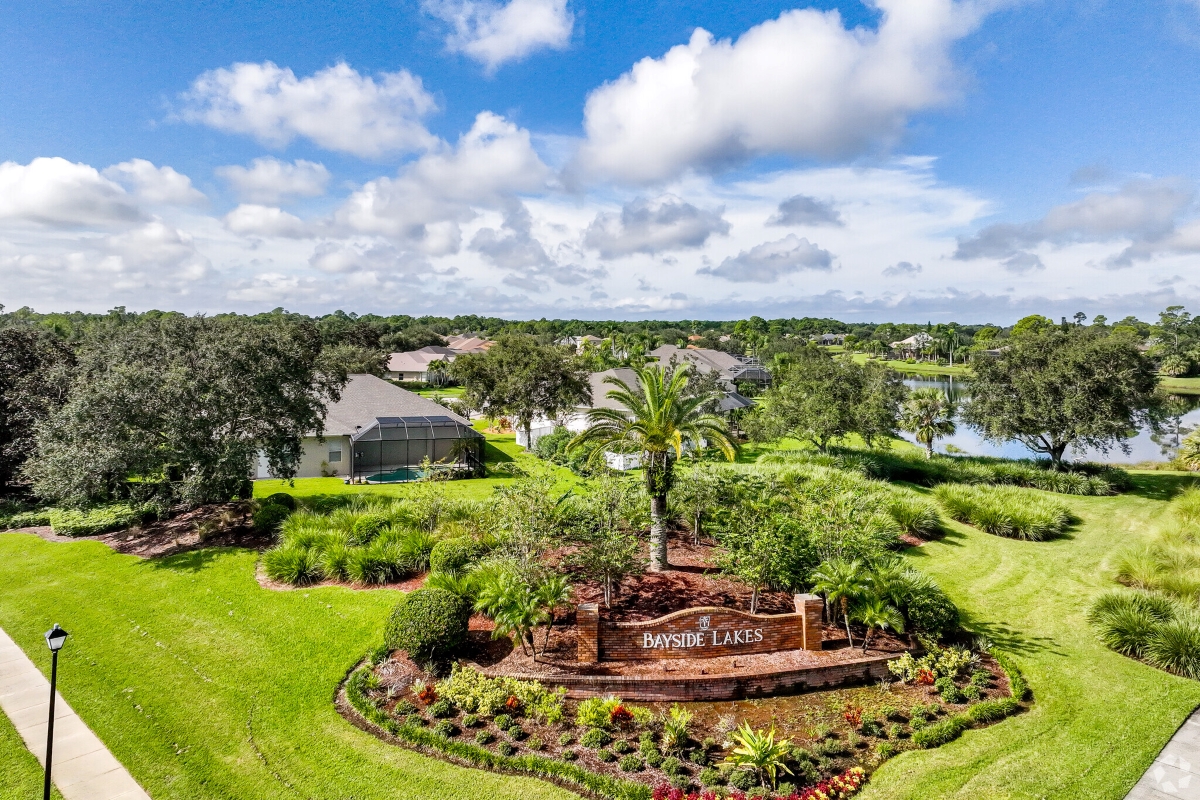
(297, 566)
(621, 746)
(631, 763)
(505, 749)
(569, 755)
(268, 518)
(455, 555)
(742, 779)
(428, 622)
(470, 721)
(484, 737)
(280, 499)
(566, 739)
(607, 756)
(595, 738)
(515, 732)
(445, 728)
(441, 709)
(672, 766)
(711, 776)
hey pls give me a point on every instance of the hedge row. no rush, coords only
(528, 764)
(81, 522)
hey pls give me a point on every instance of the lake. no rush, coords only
(1145, 446)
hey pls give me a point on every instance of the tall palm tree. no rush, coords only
(842, 582)
(929, 415)
(657, 416)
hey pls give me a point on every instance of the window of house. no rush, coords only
(335, 454)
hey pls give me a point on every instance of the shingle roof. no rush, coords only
(366, 398)
(419, 360)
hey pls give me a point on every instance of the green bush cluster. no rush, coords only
(98, 519)
(475, 693)
(1005, 511)
(428, 623)
(1157, 629)
(455, 554)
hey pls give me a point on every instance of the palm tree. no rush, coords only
(929, 415)
(1189, 450)
(658, 417)
(875, 612)
(842, 582)
(552, 594)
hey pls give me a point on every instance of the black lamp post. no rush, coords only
(56, 637)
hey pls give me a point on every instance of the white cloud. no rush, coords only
(1142, 210)
(801, 84)
(902, 269)
(340, 258)
(494, 33)
(55, 192)
(653, 226)
(426, 202)
(269, 180)
(805, 210)
(337, 108)
(255, 220)
(514, 249)
(155, 185)
(770, 261)
(156, 248)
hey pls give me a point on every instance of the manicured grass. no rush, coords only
(205, 685)
(1099, 718)
(446, 392)
(1180, 385)
(20, 772)
(920, 368)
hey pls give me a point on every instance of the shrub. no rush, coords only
(653, 757)
(568, 755)
(742, 779)
(427, 622)
(268, 518)
(993, 710)
(97, 520)
(1175, 646)
(505, 749)
(1005, 511)
(474, 692)
(711, 776)
(672, 766)
(535, 743)
(403, 708)
(566, 739)
(297, 566)
(631, 763)
(927, 609)
(503, 721)
(885, 750)
(895, 731)
(981, 678)
(445, 728)
(455, 554)
(414, 719)
(830, 748)
(280, 499)
(595, 738)
(1127, 621)
(971, 692)
(441, 709)
(515, 732)
(470, 721)
(607, 756)
(942, 732)
(915, 515)
(872, 727)
(484, 737)
(699, 757)
(597, 712)
(621, 746)
(27, 519)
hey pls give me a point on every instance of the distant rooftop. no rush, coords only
(366, 398)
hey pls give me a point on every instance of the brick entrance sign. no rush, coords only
(698, 633)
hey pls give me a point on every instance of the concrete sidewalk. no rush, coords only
(83, 767)
(1176, 771)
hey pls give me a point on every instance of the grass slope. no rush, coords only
(1180, 385)
(20, 772)
(1100, 718)
(205, 685)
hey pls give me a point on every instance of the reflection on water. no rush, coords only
(1145, 446)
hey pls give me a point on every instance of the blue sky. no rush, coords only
(905, 159)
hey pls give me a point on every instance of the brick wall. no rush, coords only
(706, 632)
(718, 687)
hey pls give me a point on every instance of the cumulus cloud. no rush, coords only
(269, 180)
(341, 258)
(805, 210)
(514, 249)
(494, 33)
(902, 269)
(1143, 210)
(425, 203)
(336, 108)
(802, 84)
(770, 261)
(653, 226)
(255, 220)
(54, 192)
(155, 185)
(154, 247)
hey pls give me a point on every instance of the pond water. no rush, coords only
(1145, 446)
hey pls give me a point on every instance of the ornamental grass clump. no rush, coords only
(1005, 511)
(915, 515)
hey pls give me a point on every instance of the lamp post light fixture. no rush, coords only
(56, 637)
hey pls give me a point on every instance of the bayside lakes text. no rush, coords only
(702, 638)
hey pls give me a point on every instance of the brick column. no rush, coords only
(587, 627)
(810, 607)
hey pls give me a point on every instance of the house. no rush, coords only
(828, 339)
(913, 346)
(468, 344)
(381, 433)
(414, 365)
(731, 368)
(581, 343)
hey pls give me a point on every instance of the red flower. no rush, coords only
(620, 716)
(428, 694)
(925, 677)
(853, 715)
(512, 703)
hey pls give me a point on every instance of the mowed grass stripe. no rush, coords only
(1099, 719)
(205, 685)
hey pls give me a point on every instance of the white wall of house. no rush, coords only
(332, 455)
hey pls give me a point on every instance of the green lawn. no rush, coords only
(449, 392)
(1099, 718)
(205, 685)
(1180, 385)
(919, 368)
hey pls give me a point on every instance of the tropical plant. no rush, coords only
(552, 594)
(1005, 510)
(759, 753)
(1189, 451)
(694, 494)
(513, 606)
(843, 583)
(928, 414)
(875, 612)
(657, 417)
(676, 728)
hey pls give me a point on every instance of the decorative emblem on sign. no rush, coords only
(704, 622)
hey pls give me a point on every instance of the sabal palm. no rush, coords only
(658, 418)
(876, 612)
(842, 583)
(928, 414)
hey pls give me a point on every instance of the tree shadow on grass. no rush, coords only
(949, 536)
(188, 561)
(1005, 638)
(1161, 486)
(494, 455)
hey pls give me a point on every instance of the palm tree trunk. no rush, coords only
(754, 601)
(658, 534)
(696, 530)
(549, 625)
(846, 616)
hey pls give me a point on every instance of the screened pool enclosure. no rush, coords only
(393, 449)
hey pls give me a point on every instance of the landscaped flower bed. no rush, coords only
(818, 742)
